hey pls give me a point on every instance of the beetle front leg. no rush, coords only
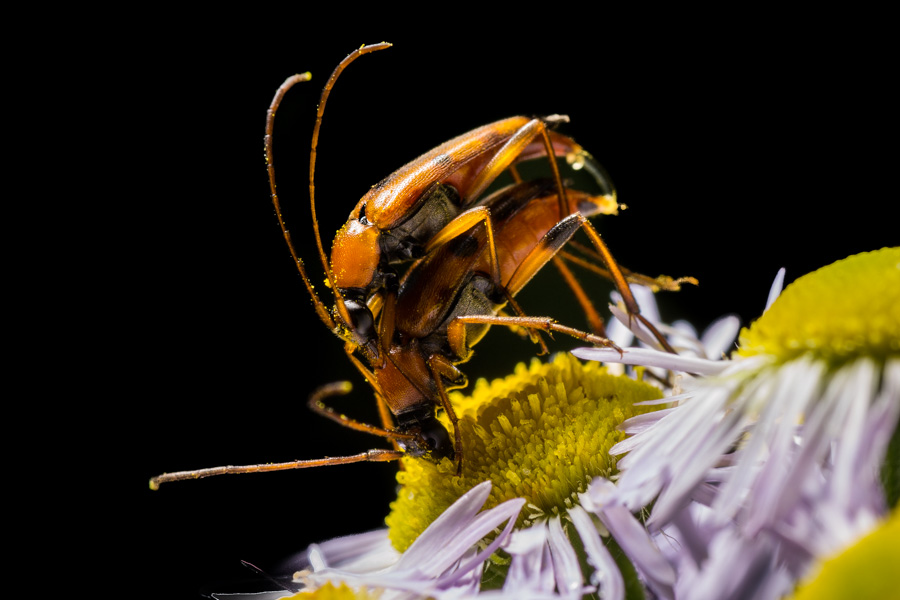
(441, 368)
(340, 388)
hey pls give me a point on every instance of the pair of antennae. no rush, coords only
(321, 309)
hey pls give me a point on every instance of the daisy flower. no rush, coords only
(770, 461)
(533, 442)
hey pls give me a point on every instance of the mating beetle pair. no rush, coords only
(426, 263)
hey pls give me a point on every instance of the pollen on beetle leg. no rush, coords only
(540, 434)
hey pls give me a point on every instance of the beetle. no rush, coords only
(468, 258)
(432, 197)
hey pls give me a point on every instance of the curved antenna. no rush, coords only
(338, 299)
(321, 309)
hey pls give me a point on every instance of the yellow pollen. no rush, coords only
(847, 309)
(541, 434)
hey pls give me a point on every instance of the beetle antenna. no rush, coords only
(339, 300)
(320, 307)
(376, 455)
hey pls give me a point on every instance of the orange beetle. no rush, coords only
(470, 257)
(431, 198)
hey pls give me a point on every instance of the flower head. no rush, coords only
(445, 561)
(541, 434)
(773, 458)
(841, 312)
(532, 441)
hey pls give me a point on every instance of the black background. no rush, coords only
(738, 151)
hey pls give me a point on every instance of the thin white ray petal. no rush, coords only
(775, 290)
(637, 327)
(652, 358)
(631, 535)
(606, 573)
(718, 339)
(784, 399)
(531, 567)
(363, 552)
(460, 513)
(692, 466)
(455, 543)
(569, 579)
(856, 395)
(510, 510)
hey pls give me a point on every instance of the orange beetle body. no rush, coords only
(467, 258)
(399, 217)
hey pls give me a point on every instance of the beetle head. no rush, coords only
(431, 441)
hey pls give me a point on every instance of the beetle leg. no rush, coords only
(458, 226)
(462, 224)
(317, 405)
(631, 305)
(510, 152)
(595, 321)
(660, 283)
(441, 367)
(532, 333)
(547, 324)
(554, 240)
(387, 420)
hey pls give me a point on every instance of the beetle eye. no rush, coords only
(437, 439)
(363, 324)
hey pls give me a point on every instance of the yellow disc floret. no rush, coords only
(848, 309)
(866, 569)
(330, 591)
(541, 434)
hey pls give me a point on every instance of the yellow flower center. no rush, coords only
(541, 434)
(330, 591)
(847, 309)
(866, 569)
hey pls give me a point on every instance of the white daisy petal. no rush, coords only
(440, 563)
(606, 573)
(252, 595)
(775, 290)
(447, 525)
(786, 400)
(530, 568)
(565, 563)
(637, 327)
(651, 358)
(363, 552)
(601, 499)
(718, 339)
(492, 519)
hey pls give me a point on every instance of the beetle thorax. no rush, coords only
(355, 255)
